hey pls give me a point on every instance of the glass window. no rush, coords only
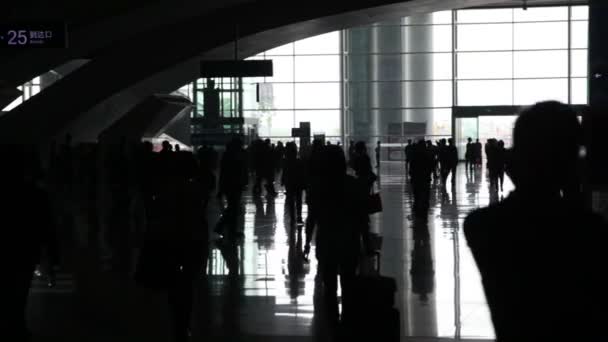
(282, 69)
(389, 67)
(317, 68)
(540, 13)
(286, 49)
(442, 38)
(328, 43)
(439, 121)
(428, 66)
(271, 95)
(321, 121)
(541, 64)
(428, 94)
(528, 92)
(480, 65)
(249, 96)
(276, 123)
(541, 36)
(442, 17)
(579, 63)
(318, 95)
(485, 93)
(428, 38)
(580, 91)
(484, 37)
(485, 16)
(580, 12)
(36, 90)
(580, 34)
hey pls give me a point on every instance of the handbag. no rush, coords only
(374, 202)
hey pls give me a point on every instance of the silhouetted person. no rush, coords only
(351, 149)
(343, 223)
(313, 187)
(362, 165)
(469, 155)
(265, 164)
(540, 244)
(279, 157)
(444, 161)
(501, 162)
(294, 180)
(477, 152)
(433, 152)
(28, 228)
(189, 241)
(377, 150)
(420, 171)
(233, 180)
(452, 160)
(408, 155)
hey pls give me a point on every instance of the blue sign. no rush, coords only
(53, 35)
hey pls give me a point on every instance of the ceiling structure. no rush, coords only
(142, 48)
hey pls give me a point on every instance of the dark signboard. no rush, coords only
(257, 68)
(40, 35)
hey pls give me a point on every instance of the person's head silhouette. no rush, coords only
(167, 146)
(291, 150)
(360, 147)
(546, 142)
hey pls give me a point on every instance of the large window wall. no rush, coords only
(305, 87)
(519, 57)
(357, 82)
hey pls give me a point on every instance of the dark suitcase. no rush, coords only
(374, 292)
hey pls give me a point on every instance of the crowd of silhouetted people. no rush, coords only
(424, 162)
(147, 212)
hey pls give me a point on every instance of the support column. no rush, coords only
(386, 70)
(419, 67)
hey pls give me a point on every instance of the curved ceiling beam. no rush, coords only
(139, 59)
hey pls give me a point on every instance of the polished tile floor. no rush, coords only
(272, 298)
(439, 290)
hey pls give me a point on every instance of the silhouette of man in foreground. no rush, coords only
(539, 251)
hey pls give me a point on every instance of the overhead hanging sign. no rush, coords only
(253, 68)
(33, 35)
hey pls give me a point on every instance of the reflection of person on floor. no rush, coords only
(343, 222)
(540, 244)
(295, 263)
(422, 270)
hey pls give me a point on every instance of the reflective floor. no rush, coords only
(272, 298)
